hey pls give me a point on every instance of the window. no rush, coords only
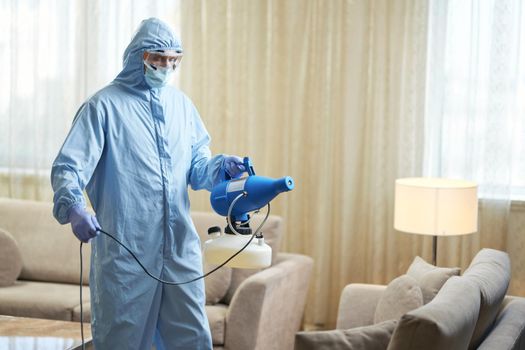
(475, 107)
(54, 55)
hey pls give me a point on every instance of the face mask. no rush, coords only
(157, 78)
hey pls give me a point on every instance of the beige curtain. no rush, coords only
(331, 93)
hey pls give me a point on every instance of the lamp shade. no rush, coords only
(436, 206)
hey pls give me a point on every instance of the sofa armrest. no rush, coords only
(357, 305)
(508, 331)
(267, 309)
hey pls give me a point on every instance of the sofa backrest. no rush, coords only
(490, 270)
(446, 322)
(448, 319)
(50, 252)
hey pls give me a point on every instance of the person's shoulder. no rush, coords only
(107, 94)
(98, 96)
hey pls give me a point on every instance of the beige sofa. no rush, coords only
(429, 308)
(247, 309)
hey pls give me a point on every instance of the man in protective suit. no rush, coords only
(135, 146)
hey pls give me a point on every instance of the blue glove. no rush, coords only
(233, 166)
(83, 224)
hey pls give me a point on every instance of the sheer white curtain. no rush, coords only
(475, 124)
(54, 54)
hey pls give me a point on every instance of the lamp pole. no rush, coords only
(434, 249)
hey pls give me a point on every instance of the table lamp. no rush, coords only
(436, 207)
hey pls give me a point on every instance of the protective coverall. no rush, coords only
(135, 150)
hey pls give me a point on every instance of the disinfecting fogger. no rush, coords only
(235, 199)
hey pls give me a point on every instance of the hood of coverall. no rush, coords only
(152, 34)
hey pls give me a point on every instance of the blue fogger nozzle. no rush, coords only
(259, 191)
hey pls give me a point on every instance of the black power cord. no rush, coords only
(81, 308)
(157, 278)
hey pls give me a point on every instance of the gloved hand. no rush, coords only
(83, 224)
(233, 166)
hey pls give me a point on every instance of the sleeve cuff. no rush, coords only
(63, 212)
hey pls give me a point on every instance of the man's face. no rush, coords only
(166, 59)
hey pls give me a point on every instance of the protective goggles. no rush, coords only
(163, 58)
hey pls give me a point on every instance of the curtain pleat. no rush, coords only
(331, 93)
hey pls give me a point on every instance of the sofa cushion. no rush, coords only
(50, 254)
(54, 301)
(217, 320)
(86, 309)
(447, 322)
(217, 283)
(400, 296)
(374, 337)
(430, 278)
(10, 259)
(490, 270)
